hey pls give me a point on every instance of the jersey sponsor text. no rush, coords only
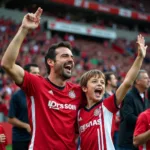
(57, 106)
(89, 124)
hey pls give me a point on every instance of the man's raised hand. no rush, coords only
(32, 20)
(141, 46)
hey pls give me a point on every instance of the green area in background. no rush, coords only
(9, 147)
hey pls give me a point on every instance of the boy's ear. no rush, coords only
(84, 89)
(50, 62)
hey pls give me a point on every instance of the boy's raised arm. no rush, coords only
(132, 73)
(30, 21)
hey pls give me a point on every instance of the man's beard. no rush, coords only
(66, 76)
(62, 73)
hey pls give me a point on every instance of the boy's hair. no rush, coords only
(88, 75)
(108, 76)
(28, 66)
(52, 52)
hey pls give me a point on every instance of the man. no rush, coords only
(52, 102)
(111, 86)
(18, 115)
(134, 103)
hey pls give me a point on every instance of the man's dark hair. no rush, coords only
(28, 66)
(52, 52)
(108, 76)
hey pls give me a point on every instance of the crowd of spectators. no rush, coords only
(89, 54)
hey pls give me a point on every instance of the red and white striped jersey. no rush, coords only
(96, 125)
(52, 113)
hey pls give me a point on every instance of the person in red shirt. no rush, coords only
(141, 136)
(3, 140)
(53, 101)
(95, 120)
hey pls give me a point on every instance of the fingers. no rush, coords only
(38, 13)
(140, 39)
(31, 17)
(35, 16)
(2, 138)
(146, 47)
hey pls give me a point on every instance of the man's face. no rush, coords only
(143, 81)
(64, 63)
(113, 81)
(35, 70)
(95, 88)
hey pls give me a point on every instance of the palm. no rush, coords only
(32, 21)
(29, 24)
(141, 46)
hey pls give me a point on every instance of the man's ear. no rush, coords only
(84, 89)
(50, 62)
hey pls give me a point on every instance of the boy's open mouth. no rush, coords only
(98, 92)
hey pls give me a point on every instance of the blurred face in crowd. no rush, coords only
(95, 88)
(143, 81)
(113, 81)
(34, 70)
(64, 63)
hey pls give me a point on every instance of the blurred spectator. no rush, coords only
(18, 115)
(141, 137)
(110, 88)
(134, 103)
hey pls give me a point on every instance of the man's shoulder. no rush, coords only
(146, 112)
(73, 85)
(18, 95)
(132, 92)
(35, 76)
(19, 92)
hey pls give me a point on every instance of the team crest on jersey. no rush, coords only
(72, 94)
(96, 112)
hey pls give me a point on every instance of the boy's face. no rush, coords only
(95, 88)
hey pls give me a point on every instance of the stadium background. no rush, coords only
(102, 32)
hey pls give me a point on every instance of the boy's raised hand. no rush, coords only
(32, 20)
(141, 46)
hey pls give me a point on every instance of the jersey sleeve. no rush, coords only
(110, 103)
(141, 125)
(30, 83)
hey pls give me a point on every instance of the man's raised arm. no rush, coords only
(30, 21)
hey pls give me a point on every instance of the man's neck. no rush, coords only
(141, 90)
(57, 81)
(109, 90)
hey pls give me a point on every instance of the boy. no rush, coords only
(95, 119)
